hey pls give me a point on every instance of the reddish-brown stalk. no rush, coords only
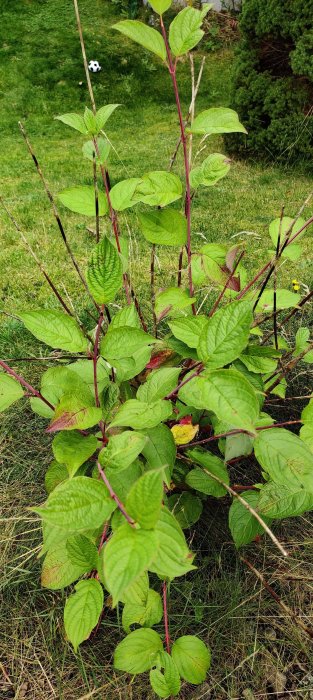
(172, 72)
(114, 496)
(165, 614)
(25, 384)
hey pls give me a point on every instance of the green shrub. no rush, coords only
(139, 397)
(273, 79)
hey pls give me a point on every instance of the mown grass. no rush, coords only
(257, 651)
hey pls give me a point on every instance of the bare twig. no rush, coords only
(152, 289)
(220, 297)
(25, 384)
(276, 597)
(251, 511)
(56, 213)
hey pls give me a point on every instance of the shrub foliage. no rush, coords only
(273, 79)
(132, 403)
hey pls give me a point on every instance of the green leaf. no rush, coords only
(123, 192)
(137, 652)
(173, 558)
(77, 504)
(126, 317)
(58, 571)
(122, 481)
(55, 474)
(227, 393)
(103, 114)
(285, 458)
(72, 413)
(213, 169)
(55, 329)
(243, 525)
(104, 273)
(174, 301)
(281, 501)
(306, 432)
(186, 507)
(192, 658)
(82, 552)
(238, 445)
(160, 6)
(148, 614)
(129, 367)
(205, 268)
(75, 121)
(159, 188)
(82, 611)
(145, 36)
(188, 330)
(160, 450)
(185, 30)
(181, 349)
(122, 450)
(164, 227)
(125, 557)
(259, 359)
(159, 384)
(124, 342)
(201, 481)
(285, 299)
(166, 684)
(90, 121)
(137, 593)
(58, 381)
(225, 335)
(81, 200)
(104, 149)
(217, 120)
(10, 391)
(73, 449)
(283, 226)
(84, 370)
(139, 414)
(144, 500)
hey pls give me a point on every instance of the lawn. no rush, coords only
(257, 649)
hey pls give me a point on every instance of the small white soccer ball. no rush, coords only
(94, 67)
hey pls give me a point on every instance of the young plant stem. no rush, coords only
(271, 263)
(287, 318)
(278, 600)
(56, 213)
(291, 365)
(180, 266)
(95, 184)
(220, 297)
(44, 273)
(237, 431)
(275, 281)
(152, 289)
(104, 173)
(185, 381)
(37, 261)
(95, 363)
(190, 110)
(114, 496)
(165, 614)
(172, 72)
(82, 46)
(250, 509)
(25, 384)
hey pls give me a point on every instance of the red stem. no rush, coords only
(270, 263)
(237, 432)
(95, 361)
(112, 215)
(165, 612)
(172, 71)
(220, 297)
(23, 382)
(114, 495)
